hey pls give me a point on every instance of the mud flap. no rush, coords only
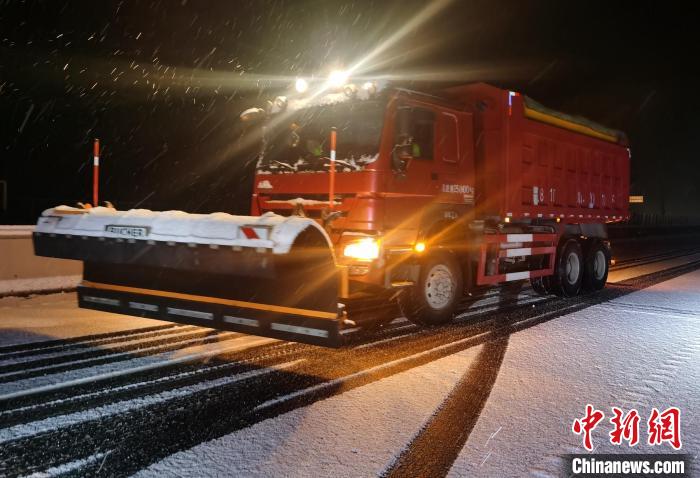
(290, 296)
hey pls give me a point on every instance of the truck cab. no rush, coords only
(404, 170)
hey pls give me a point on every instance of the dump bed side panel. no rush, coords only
(528, 167)
(555, 172)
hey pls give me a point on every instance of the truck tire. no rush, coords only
(433, 300)
(596, 267)
(568, 270)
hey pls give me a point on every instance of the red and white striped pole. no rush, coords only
(96, 173)
(331, 188)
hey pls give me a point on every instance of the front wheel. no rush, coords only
(434, 299)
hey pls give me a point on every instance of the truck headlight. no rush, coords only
(366, 249)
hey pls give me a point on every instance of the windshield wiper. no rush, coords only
(284, 164)
(350, 165)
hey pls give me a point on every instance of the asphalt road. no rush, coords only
(112, 403)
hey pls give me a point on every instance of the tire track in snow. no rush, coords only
(41, 426)
(132, 343)
(71, 467)
(199, 339)
(152, 384)
(455, 418)
(31, 348)
(96, 377)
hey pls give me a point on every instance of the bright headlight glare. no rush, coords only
(365, 249)
(338, 78)
(370, 87)
(301, 85)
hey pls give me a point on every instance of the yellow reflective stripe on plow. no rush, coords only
(213, 300)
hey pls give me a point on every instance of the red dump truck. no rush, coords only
(368, 202)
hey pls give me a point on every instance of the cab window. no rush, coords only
(421, 129)
(449, 143)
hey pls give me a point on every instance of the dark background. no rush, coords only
(161, 83)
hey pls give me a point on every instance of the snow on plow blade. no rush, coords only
(270, 275)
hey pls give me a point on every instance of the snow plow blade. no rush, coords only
(272, 276)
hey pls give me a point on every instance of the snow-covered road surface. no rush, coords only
(492, 395)
(549, 373)
(648, 356)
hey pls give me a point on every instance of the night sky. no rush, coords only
(161, 83)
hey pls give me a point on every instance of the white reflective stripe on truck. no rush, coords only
(101, 300)
(295, 329)
(241, 321)
(525, 251)
(190, 313)
(517, 275)
(519, 237)
(142, 306)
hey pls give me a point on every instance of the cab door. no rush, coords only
(454, 169)
(415, 186)
(417, 139)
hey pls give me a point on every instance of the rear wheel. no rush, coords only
(597, 266)
(568, 271)
(435, 297)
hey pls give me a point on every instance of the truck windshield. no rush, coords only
(301, 141)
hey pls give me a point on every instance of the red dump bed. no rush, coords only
(532, 162)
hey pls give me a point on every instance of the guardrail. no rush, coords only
(22, 273)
